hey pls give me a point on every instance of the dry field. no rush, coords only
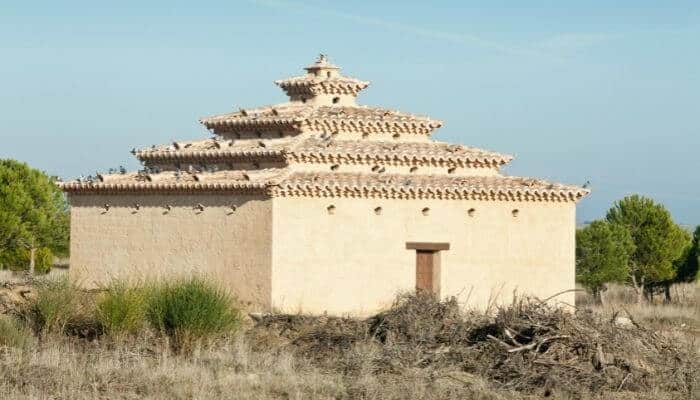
(679, 319)
(420, 349)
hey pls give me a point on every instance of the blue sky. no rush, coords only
(588, 91)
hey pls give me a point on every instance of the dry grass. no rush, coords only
(138, 370)
(679, 319)
(418, 350)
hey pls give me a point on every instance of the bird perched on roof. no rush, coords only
(122, 170)
(586, 185)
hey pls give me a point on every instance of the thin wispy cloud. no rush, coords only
(573, 41)
(450, 37)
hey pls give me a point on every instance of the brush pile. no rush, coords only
(14, 296)
(527, 347)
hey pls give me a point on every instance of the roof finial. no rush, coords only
(321, 63)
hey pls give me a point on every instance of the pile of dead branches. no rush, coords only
(528, 346)
(15, 296)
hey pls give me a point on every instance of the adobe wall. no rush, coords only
(230, 247)
(355, 261)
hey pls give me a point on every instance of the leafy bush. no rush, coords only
(14, 334)
(122, 309)
(191, 309)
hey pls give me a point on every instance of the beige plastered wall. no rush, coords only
(355, 261)
(233, 248)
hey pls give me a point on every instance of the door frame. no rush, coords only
(432, 248)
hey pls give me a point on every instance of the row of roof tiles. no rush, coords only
(313, 85)
(300, 116)
(325, 184)
(315, 149)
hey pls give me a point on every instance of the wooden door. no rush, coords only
(424, 271)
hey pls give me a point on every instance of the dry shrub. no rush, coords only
(526, 347)
(60, 307)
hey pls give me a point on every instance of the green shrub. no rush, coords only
(190, 310)
(122, 308)
(13, 333)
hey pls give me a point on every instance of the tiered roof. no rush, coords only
(282, 182)
(276, 150)
(305, 117)
(167, 181)
(399, 186)
(318, 150)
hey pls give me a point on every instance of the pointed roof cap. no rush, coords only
(321, 63)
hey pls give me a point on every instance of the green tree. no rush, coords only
(688, 268)
(602, 255)
(34, 217)
(658, 241)
(679, 266)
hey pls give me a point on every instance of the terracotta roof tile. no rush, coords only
(326, 150)
(427, 186)
(171, 180)
(328, 184)
(214, 149)
(401, 152)
(313, 85)
(323, 118)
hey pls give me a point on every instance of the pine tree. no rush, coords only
(34, 217)
(602, 255)
(658, 241)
